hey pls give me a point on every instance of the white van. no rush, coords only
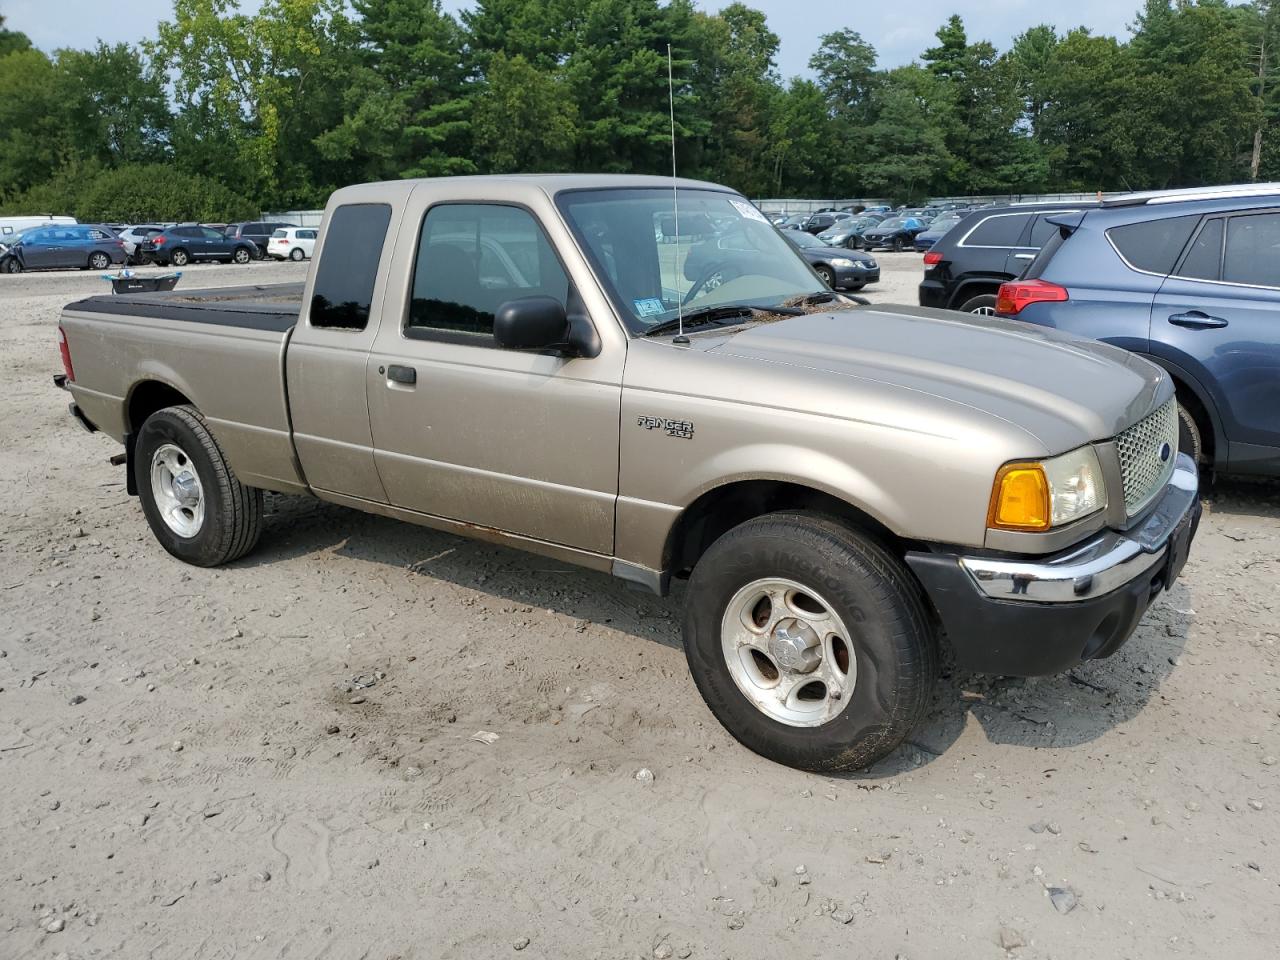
(11, 225)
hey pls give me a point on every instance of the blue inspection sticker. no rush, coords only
(649, 308)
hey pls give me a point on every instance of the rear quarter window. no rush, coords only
(1000, 230)
(342, 295)
(1153, 245)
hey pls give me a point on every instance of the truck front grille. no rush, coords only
(1147, 452)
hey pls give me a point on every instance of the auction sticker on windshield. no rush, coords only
(748, 211)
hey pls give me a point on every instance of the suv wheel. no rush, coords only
(1190, 441)
(195, 505)
(897, 244)
(99, 260)
(241, 255)
(179, 258)
(809, 642)
(984, 304)
(296, 254)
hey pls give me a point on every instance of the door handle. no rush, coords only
(401, 374)
(1196, 320)
(1024, 256)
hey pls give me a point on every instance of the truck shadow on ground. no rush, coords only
(1060, 712)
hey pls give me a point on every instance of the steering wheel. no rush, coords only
(707, 276)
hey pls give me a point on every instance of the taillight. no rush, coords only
(66, 356)
(932, 257)
(1017, 294)
(157, 239)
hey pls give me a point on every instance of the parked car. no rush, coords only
(257, 231)
(848, 233)
(192, 243)
(936, 230)
(896, 233)
(292, 243)
(964, 270)
(1190, 280)
(841, 485)
(86, 246)
(794, 222)
(839, 269)
(134, 237)
(824, 220)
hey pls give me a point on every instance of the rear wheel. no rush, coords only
(99, 260)
(809, 642)
(179, 258)
(984, 305)
(196, 507)
(296, 254)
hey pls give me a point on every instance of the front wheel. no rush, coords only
(195, 505)
(809, 642)
(897, 244)
(99, 261)
(241, 255)
(1190, 440)
(827, 276)
(12, 265)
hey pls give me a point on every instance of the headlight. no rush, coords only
(1041, 494)
(841, 262)
(871, 264)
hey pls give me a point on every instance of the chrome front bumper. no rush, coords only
(1103, 564)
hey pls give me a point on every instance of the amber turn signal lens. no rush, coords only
(1020, 499)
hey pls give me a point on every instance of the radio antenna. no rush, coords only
(675, 199)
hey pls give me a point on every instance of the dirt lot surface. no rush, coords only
(276, 759)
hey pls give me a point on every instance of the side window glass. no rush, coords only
(342, 295)
(1041, 231)
(210, 233)
(1204, 259)
(1253, 250)
(471, 259)
(998, 231)
(1154, 245)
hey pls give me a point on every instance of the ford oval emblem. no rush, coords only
(1166, 452)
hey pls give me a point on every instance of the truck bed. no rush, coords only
(273, 307)
(220, 349)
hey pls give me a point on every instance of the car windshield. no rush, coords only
(796, 218)
(895, 224)
(943, 224)
(802, 239)
(724, 252)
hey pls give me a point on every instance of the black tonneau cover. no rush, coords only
(258, 307)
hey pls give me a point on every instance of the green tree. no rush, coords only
(906, 152)
(133, 193)
(799, 142)
(1029, 59)
(544, 139)
(35, 135)
(12, 41)
(115, 103)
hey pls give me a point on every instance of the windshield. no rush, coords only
(802, 239)
(727, 252)
(894, 224)
(943, 224)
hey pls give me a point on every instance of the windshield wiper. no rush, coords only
(719, 314)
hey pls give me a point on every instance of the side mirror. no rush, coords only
(531, 323)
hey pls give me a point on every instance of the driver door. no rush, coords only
(519, 441)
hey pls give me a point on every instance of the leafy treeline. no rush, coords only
(277, 108)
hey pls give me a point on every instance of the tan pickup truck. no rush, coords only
(565, 365)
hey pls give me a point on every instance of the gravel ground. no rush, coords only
(277, 759)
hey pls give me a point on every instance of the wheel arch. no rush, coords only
(720, 509)
(975, 287)
(146, 397)
(1201, 405)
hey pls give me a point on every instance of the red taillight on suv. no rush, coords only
(932, 257)
(1017, 294)
(66, 356)
(157, 240)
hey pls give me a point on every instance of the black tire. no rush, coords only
(896, 649)
(179, 257)
(855, 243)
(232, 511)
(897, 244)
(241, 255)
(99, 260)
(12, 265)
(984, 304)
(1190, 439)
(296, 255)
(828, 277)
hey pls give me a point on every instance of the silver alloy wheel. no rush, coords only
(99, 261)
(984, 311)
(788, 652)
(241, 255)
(176, 489)
(296, 254)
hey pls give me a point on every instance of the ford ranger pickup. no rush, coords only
(641, 376)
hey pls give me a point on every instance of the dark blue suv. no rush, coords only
(1191, 280)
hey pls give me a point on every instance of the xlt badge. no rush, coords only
(674, 428)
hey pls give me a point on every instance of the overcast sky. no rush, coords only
(898, 30)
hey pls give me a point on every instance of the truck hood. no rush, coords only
(1063, 390)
